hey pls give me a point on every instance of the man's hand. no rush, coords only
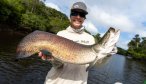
(45, 55)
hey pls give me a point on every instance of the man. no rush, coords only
(71, 73)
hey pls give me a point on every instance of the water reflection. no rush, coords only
(118, 69)
(110, 72)
(136, 72)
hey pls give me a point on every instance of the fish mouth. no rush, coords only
(114, 30)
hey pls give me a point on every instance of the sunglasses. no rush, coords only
(83, 15)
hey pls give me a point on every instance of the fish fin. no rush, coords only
(89, 67)
(93, 63)
(57, 64)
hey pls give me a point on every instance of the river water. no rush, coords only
(33, 71)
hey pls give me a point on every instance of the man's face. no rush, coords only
(77, 19)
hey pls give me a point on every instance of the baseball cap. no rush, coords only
(79, 5)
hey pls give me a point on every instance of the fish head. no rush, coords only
(112, 33)
(109, 39)
(105, 45)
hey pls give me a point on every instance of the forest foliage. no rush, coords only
(137, 47)
(31, 15)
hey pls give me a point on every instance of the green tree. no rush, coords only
(137, 40)
(32, 15)
(131, 44)
(121, 51)
(34, 22)
(143, 43)
(10, 11)
(136, 47)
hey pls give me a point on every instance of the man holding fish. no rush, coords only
(72, 52)
(66, 73)
(72, 73)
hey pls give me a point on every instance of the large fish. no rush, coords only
(66, 50)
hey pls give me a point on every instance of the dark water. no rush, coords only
(33, 71)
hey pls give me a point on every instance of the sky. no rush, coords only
(127, 15)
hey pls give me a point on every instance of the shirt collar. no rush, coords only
(81, 30)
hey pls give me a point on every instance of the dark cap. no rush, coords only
(81, 6)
